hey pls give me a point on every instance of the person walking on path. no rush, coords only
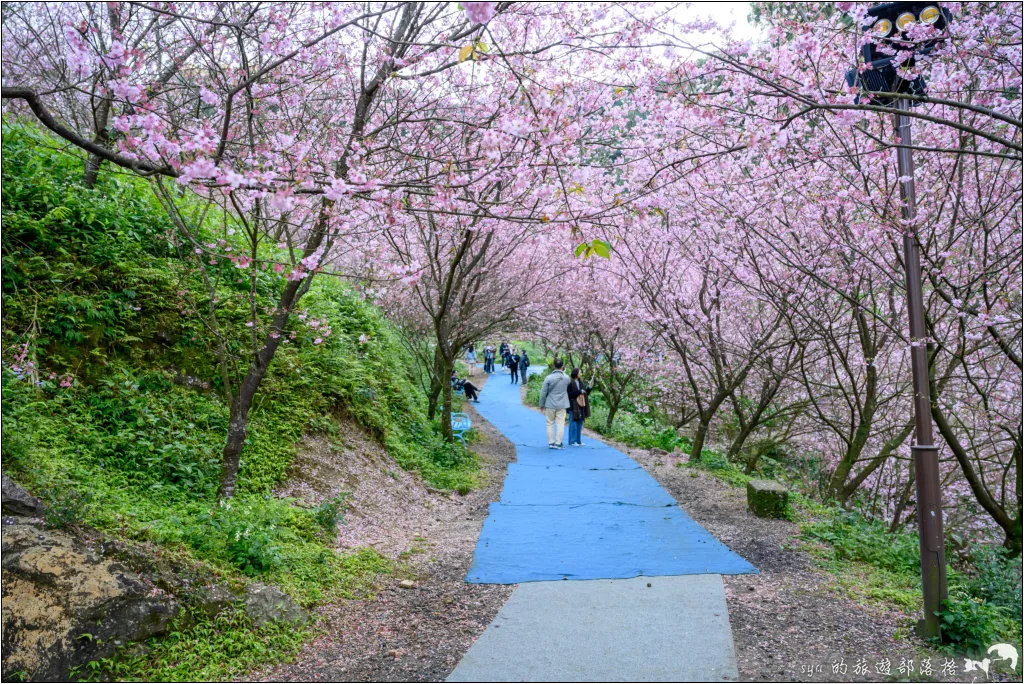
(471, 359)
(579, 406)
(488, 359)
(524, 365)
(554, 400)
(513, 365)
(503, 352)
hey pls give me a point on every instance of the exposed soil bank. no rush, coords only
(402, 634)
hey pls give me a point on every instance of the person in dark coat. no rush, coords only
(471, 390)
(524, 365)
(579, 410)
(513, 366)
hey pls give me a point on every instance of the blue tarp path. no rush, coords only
(580, 513)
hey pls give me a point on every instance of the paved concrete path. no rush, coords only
(676, 630)
(588, 517)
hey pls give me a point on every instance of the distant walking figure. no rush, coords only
(471, 359)
(579, 407)
(554, 399)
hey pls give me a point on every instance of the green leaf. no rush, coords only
(602, 249)
(580, 248)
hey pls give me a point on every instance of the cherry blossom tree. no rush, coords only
(299, 127)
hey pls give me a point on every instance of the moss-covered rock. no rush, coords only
(66, 604)
(767, 499)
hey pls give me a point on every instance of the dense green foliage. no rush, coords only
(113, 409)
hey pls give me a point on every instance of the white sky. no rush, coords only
(724, 13)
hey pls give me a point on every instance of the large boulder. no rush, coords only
(269, 604)
(65, 603)
(767, 499)
(16, 501)
(216, 598)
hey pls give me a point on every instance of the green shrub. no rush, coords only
(635, 429)
(329, 513)
(199, 648)
(533, 384)
(972, 624)
(996, 578)
(64, 507)
(856, 538)
(714, 460)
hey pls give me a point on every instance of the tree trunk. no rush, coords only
(750, 464)
(239, 419)
(705, 418)
(438, 380)
(92, 171)
(837, 483)
(432, 399)
(92, 162)
(446, 404)
(699, 437)
(850, 487)
(904, 500)
(1013, 539)
(237, 428)
(612, 410)
(1011, 527)
(737, 444)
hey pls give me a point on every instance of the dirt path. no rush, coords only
(415, 634)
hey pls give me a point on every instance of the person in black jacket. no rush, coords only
(471, 390)
(579, 406)
(513, 365)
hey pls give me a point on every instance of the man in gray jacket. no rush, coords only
(554, 399)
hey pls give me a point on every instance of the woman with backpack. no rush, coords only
(579, 406)
(524, 366)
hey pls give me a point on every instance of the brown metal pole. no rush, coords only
(926, 455)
